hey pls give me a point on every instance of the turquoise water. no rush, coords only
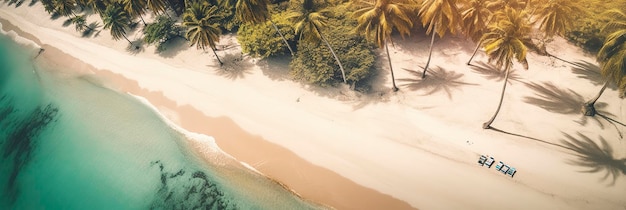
(68, 143)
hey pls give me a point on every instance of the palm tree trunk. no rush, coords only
(124, 35)
(487, 124)
(343, 73)
(283, 37)
(430, 53)
(589, 108)
(393, 79)
(218, 57)
(469, 63)
(144, 22)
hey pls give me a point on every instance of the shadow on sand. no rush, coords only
(596, 158)
(173, 47)
(276, 68)
(492, 73)
(566, 101)
(438, 80)
(135, 47)
(235, 66)
(591, 72)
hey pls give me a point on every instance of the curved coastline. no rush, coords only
(354, 196)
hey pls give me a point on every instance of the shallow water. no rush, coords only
(68, 143)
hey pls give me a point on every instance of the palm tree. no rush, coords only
(65, 7)
(203, 29)
(378, 18)
(99, 5)
(308, 24)
(476, 17)
(612, 58)
(441, 16)
(505, 42)
(256, 11)
(136, 8)
(157, 6)
(116, 19)
(557, 16)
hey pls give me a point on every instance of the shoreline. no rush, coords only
(419, 145)
(222, 129)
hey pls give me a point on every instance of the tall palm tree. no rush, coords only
(505, 42)
(308, 24)
(475, 17)
(378, 18)
(116, 19)
(256, 11)
(441, 16)
(136, 8)
(99, 6)
(612, 58)
(203, 30)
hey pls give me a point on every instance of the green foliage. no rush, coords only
(587, 30)
(315, 64)
(161, 31)
(262, 40)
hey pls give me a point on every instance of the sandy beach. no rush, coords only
(416, 148)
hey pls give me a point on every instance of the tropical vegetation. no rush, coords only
(337, 41)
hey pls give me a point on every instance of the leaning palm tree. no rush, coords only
(612, 58)
(136, 8)
(505, 42)
(475, 17)
(440, 16)
(116, 19)
(203, 30)
(256, 11)
(377, 20)
(308, 24)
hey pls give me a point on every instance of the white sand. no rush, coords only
(417, 147)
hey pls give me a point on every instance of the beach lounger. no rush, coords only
(481, 160)
(489, 162)
(511, 172)
(505, 169)
(499, 165)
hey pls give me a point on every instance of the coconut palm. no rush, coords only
(203, 30)
(116, 19)
(475, 17)
(65, 7)
(157, 6)
(440, 16)
(136, 8)
(99, 6)
(308, 24)
(505, 42)
(256, 11)
(557, 16)
(377, 20)
(612, 58)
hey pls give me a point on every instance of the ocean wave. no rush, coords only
(207, 146)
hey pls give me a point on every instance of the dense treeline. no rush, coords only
(333, 41)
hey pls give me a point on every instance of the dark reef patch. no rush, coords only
(182, 190)
(19, 140)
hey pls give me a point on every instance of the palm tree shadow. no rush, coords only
(491, 72)
(597, 158)
(235, 66)
(92, 29)
(135, 47)
(563, 101)
(528, 137)
(591, 72)
(439, 80)
(32, 2)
